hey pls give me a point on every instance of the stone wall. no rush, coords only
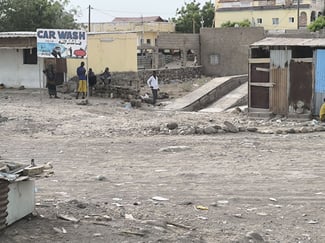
(171, 74)
(129, 83)
(146, 61)
(165, 75)
(124, 84)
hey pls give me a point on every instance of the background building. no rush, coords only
(113, 50)
(21, 67)
(147, 28)
(272, 15)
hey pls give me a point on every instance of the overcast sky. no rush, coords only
(107, 10)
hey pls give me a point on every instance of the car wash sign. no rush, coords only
(53, 43)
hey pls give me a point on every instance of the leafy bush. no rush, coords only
(318, 24)
(244, 23)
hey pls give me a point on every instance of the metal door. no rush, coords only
(319, 80)
(279, 77)
(259, 95)
(301, 82)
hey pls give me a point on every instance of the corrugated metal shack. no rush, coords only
(286, 77)
(17, 192)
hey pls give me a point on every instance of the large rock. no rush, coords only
(210, 130)
(172, 125)
(231, 127)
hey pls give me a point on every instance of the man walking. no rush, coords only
(153, 85)
(82, 87)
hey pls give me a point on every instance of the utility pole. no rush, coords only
(89, 10)
(142, 36)
(298, 10)
(193, 23)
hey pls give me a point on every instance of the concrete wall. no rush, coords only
(15, 73)
(114, 50)
(144, 30)
(224, 51)
(182, 42)
(138, 27)
(178, 41)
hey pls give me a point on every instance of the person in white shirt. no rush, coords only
(153, 85)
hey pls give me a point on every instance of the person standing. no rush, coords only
(82, 86)
(106, 78)
(322, 112)
(92, 79)
(154, 86)
(50, 80)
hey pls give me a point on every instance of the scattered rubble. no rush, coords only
(3, 119)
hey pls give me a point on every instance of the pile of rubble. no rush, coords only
(11, 171)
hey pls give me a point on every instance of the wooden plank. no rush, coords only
(259, 60)
(262, 69)
(302, 59)
(270, 85)
(32, 171)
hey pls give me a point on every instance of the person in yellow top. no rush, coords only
(322, 112)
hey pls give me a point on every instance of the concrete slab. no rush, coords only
(229, 100)
(187, 100)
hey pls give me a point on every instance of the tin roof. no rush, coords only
(279, 41)
(17, 34)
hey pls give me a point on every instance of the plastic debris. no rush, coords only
(158, 198)
(202, 207)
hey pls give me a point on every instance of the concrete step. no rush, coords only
(235, 97)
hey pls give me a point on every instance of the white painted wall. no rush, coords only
(14, 73)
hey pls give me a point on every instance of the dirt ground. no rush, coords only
(125, 177)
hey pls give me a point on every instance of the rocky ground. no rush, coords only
(148, 175)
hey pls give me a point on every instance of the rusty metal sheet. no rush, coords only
(259, 73)
(61, 65)
(19, 34)
(18, 43)
(259, 97)
(282, 41)
(279, 100)
(4, 189)
(279, 76)
(301, 83)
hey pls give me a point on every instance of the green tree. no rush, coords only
(244, 23)
(28, 15)
(207, 14)
(190, 17)
(318, 24)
